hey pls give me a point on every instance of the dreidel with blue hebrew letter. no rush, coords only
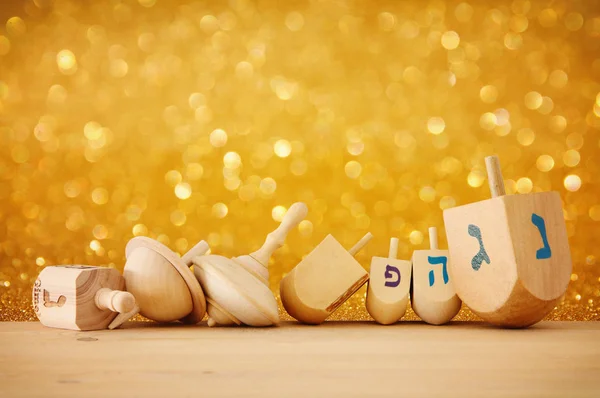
(433, 296)
(510, 256)
(389, 287)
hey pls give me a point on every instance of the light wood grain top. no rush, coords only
(345, 359)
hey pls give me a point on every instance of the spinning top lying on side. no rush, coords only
(389, 287)
(162, 282)
(82, 298)
(432, 295)
(237, 290)
(323, 281)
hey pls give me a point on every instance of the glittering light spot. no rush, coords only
(219, 210)
(194, 171)
(118, 68)
(545, 163)
(547, 106)
(4, 45)
(525, 136)
(183, 190)
(572, 182)
(574, 21)
(355, 148)
(92, 130)
(66, 61)
(558, 123)
(463, 12)
(100, 232)
(547, 18)
(386, 21)
(196, 100)
(488, 94)
(306, 228)
(268, 186)
(15, 27)
(488, 121)
(173, 177)
(283, 88)
(476, 178)
(282, 148)
(278, 212)
(519, 23)
(72, 189)
(558, 78)
(447, 202)
(415, 237)
(100, 196)
(436, 125)
(595, 212)
(574, 277)
(244, 70)
(178, 218)
(232, 160)
(427, 194)
(139, 230)
(533, 100)
(524, 185)
(40, 261)
(450, 40)
(298, 167)
(209, 24)
(20, 153)
(578, 297)
(353, 169)
(294, 21)
(571, 158)
(218, 138)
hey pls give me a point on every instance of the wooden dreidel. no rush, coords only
(82, 298)
(323, 280)
(162, 282)
(389, 287)
(237, 290)
(433, 297)
(510, 254)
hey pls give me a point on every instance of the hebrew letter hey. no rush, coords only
(438, 260)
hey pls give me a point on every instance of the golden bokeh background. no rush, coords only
(189, 120)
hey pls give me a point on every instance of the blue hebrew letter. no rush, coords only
(545, 251)
(388, 275)
(438, 260)
(482, 255)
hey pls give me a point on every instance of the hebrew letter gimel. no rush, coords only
(388, 275)
(482, 255)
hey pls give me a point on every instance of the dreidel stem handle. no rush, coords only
(360, 244)
(492, 164)
(393, 254)
(433, 238)
(296, 213)
(199, 249)
(115, 300)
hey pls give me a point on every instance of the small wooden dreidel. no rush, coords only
(510, 254)
(389, 287)
(163, 284)
(82, 298)
(237, 290)
(323, 280)
(433, 297)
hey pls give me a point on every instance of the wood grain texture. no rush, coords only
(336, 359)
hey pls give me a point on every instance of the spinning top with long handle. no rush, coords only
(162, 282)
(237, 290)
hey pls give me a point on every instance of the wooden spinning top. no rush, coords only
(237, 290)
(82, 297)
(162, 282)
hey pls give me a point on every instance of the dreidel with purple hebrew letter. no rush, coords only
(433, 296)
(81, 297)
(510, 256)
(389, 287)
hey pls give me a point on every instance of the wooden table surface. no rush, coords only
(345, 359)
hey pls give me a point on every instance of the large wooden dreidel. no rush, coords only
(510, 254)
(323, 280)
(237, 290)
(389, 287)
(82, 298)
(433, 296)
(162, 282)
